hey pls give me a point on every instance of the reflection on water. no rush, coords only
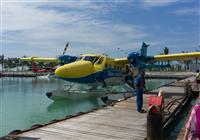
(153, 83)
(23, 103)
(71, 107)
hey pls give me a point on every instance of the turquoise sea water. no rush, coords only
(23, 102)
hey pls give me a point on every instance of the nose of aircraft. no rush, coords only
(75, 70)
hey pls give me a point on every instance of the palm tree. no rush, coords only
(198, 50)
(187, 64)
(16, 61)
(23, 63)
(166, 50)
(2, 61)
(9, 63)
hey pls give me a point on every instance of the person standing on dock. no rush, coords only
(139, 83)
(198, 77)
(129, 76)
(192, 127)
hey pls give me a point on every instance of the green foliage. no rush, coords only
(9, 63)
(166, 50)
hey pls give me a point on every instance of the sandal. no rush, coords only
(142, 111)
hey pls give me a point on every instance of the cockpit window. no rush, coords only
(92, 59)
(79, 58)
(99, 61)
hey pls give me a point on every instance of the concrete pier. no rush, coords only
(152, 75)
(20, 74)
(169, 75)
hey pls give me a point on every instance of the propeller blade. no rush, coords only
(65, 49)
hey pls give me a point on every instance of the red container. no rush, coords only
(156, 100)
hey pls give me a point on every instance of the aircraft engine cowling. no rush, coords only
(75, 70)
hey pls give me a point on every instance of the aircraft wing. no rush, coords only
(40, 59)
(121, 61)
(178, 56)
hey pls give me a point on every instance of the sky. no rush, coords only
(43, 27)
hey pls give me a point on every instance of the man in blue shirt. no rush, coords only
(140, 85)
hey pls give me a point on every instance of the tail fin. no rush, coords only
(34, 67)
(144, 49)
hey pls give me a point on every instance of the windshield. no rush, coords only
(99, 61)
(92, 59)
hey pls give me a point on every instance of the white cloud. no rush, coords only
(187, 11)
(44, 27)
(157, 3)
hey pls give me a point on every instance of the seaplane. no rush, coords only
(98, 74)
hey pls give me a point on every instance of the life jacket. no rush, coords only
(195, 124)
(34, 67)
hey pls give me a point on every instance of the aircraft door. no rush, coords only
(99, 64)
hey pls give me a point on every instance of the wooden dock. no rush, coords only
(118, 122)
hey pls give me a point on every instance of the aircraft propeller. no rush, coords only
(65, 49)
